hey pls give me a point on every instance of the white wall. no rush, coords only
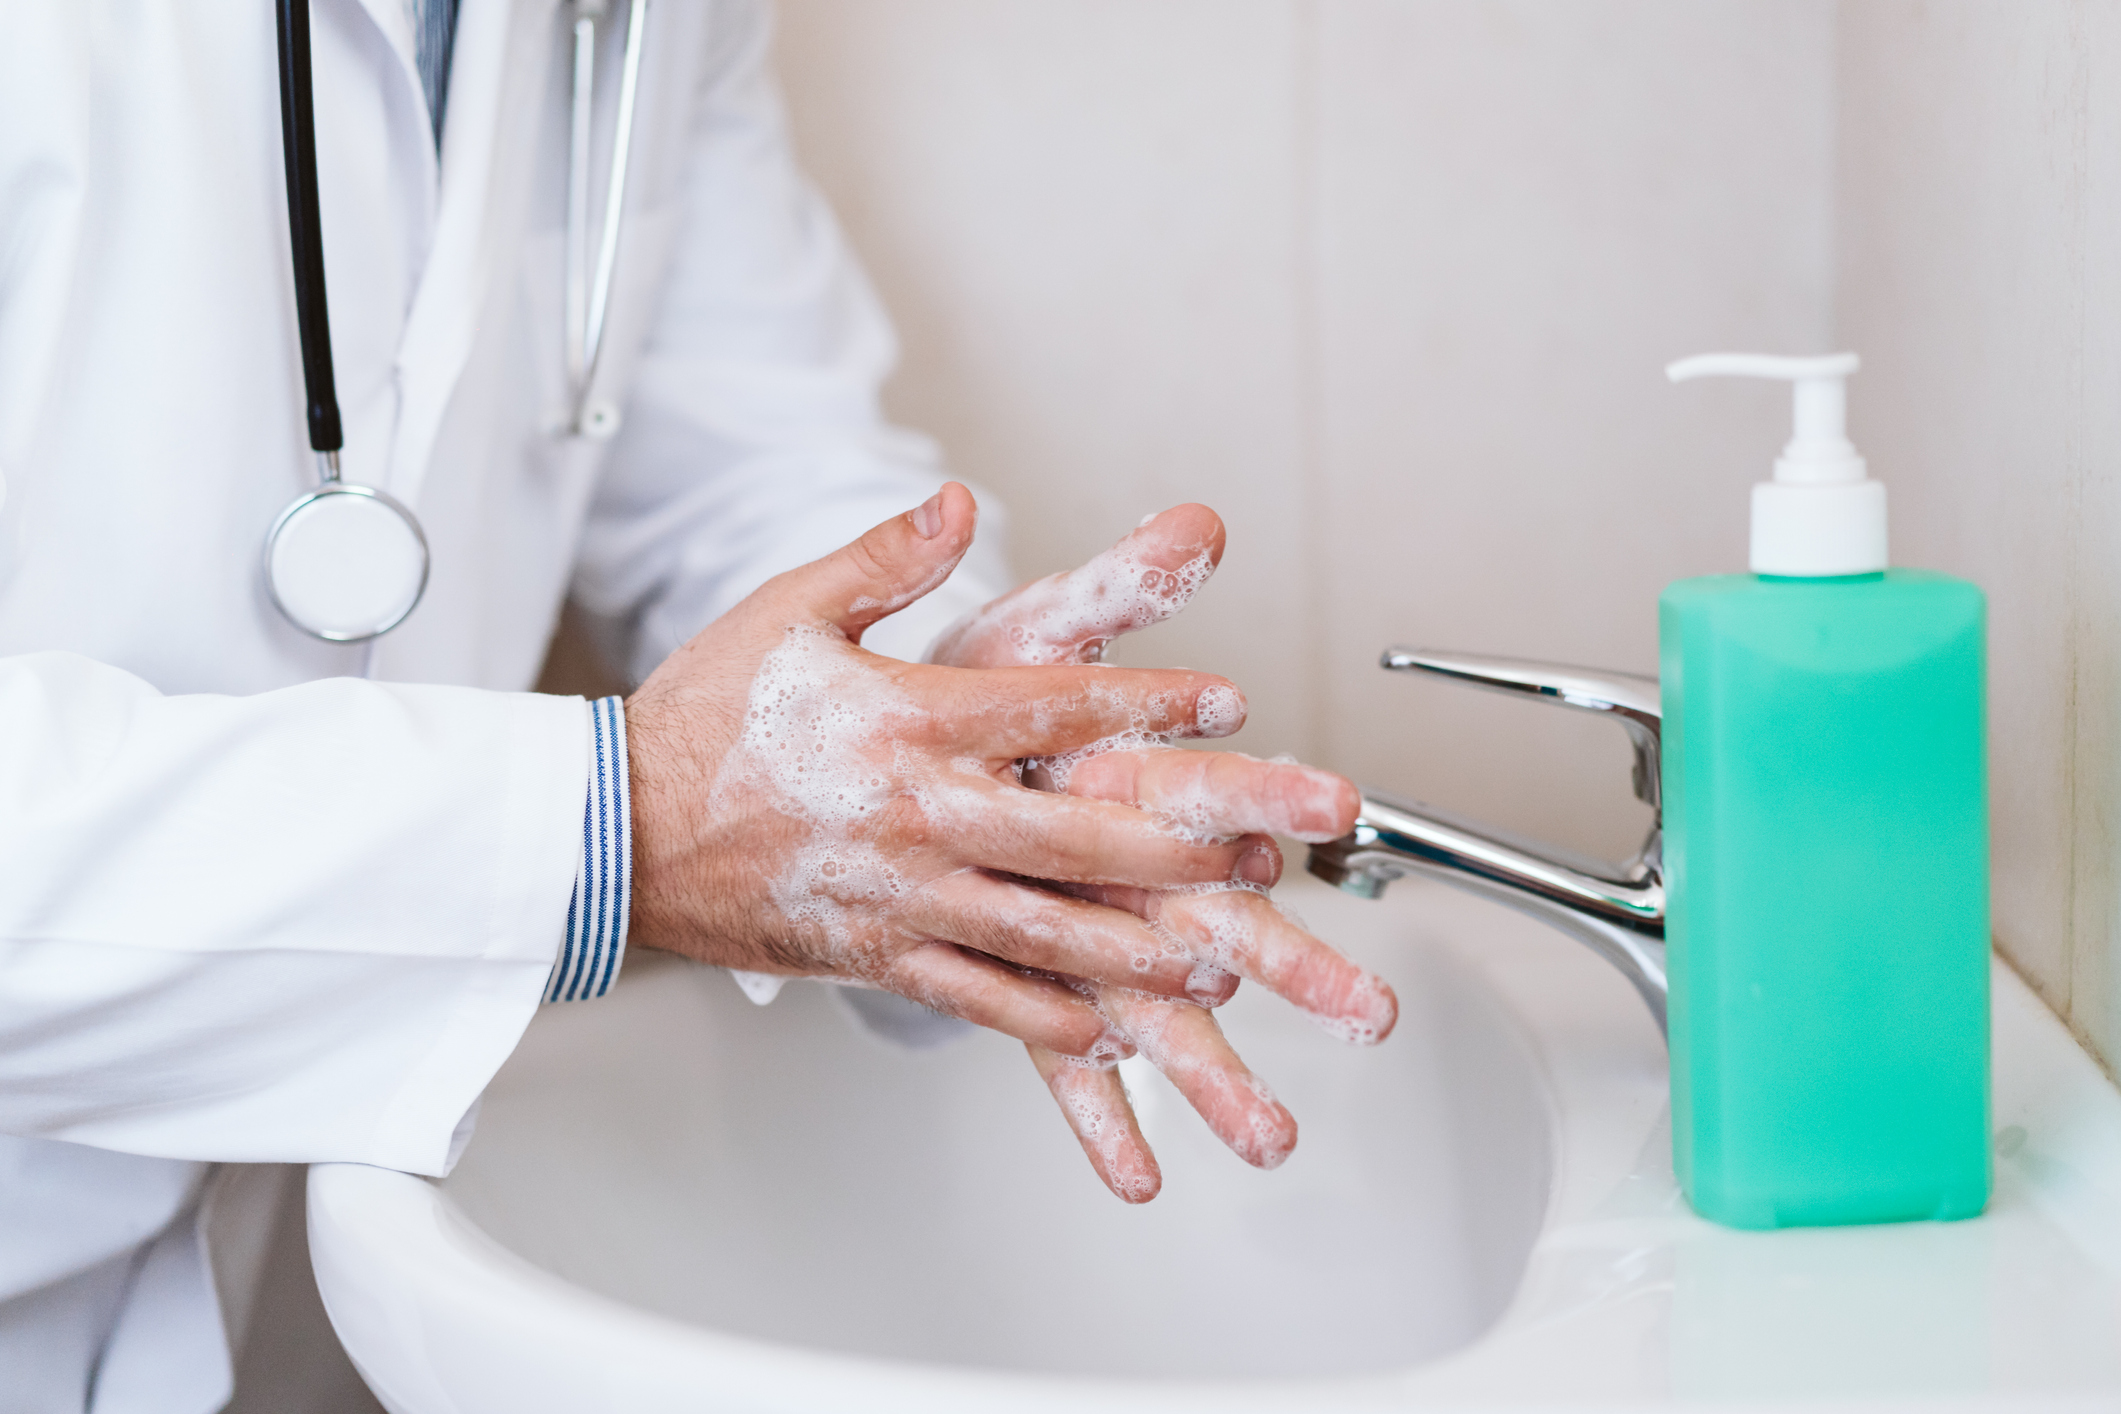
(1980, 259)
(1389, 283)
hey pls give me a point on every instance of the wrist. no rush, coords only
(679, 903)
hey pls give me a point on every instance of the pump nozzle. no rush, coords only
(1820, 515)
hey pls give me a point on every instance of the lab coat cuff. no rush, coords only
(595, 940)
(523, 782)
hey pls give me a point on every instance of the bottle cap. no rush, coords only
(1821, 515)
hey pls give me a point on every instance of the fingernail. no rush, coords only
(1219, 710)
(1256, 865)
(928, 517)
(1210, 986)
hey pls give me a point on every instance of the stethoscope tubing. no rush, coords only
(305, 230)
(589, 296)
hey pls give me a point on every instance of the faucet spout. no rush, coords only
(1618, 911)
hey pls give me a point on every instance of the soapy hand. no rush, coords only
(1227, 929)
(805, 808)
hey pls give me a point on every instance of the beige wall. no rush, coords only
(1389, 283)
(1980, 274)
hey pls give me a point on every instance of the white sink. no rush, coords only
(676, 1200)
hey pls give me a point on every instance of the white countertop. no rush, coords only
(1631, 1298)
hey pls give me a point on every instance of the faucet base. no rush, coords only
(1362, 883)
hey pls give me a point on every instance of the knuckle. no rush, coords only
(1079, 1033)
(906, 823)
(866, 557)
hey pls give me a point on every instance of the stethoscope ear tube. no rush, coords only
(305, 228)
(589, 296)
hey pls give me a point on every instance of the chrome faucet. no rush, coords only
(1617, 910)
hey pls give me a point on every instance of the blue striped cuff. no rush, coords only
(603, 880)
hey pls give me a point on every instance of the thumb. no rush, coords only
(888, 568)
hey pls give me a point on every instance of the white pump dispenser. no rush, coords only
(1821, 515)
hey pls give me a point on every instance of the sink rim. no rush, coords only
(1596, 1057)
(436, 1313)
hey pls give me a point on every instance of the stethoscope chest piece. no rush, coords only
(345, 563)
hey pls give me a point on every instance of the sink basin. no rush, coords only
(676, 1200)
(790, 1176)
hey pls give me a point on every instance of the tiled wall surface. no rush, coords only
(1389, 283)
(1980, 274)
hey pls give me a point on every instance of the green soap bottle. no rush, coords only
(1826, 855)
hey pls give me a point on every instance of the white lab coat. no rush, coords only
(254, 907)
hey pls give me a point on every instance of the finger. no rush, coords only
(1035, 1010)
(1258, 867)
(1002, 827)
(1094, 1102)
(1052, 932)
(888, 568)
(1070, 617)
(1241, 931)
(1184, 1042)
(1216, 793)
(1006, 714)
(1238, 932)
(1208, 984)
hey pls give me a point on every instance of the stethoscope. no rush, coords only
(347, 563)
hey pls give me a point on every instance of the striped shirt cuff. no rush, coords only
(603, 880)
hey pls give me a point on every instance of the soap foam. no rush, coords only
(1355, 1031)
(1230, 936)
(1258, 1136)
(826, 741)
(1078, 614)
(1099, 1119)
(1073, 616)
(1218, 711)
(1136, 736)
(820, 742)
(1267, 1146)
(1191, 808)
(1356, 1012)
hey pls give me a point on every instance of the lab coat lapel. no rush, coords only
(392, 20)
(390, 17)
(496, 78)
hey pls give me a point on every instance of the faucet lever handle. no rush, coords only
(1629, 698)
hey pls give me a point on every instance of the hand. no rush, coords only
(807, 808)
(1228, 930)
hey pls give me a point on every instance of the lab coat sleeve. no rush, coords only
(753, 440)
(303, 925)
